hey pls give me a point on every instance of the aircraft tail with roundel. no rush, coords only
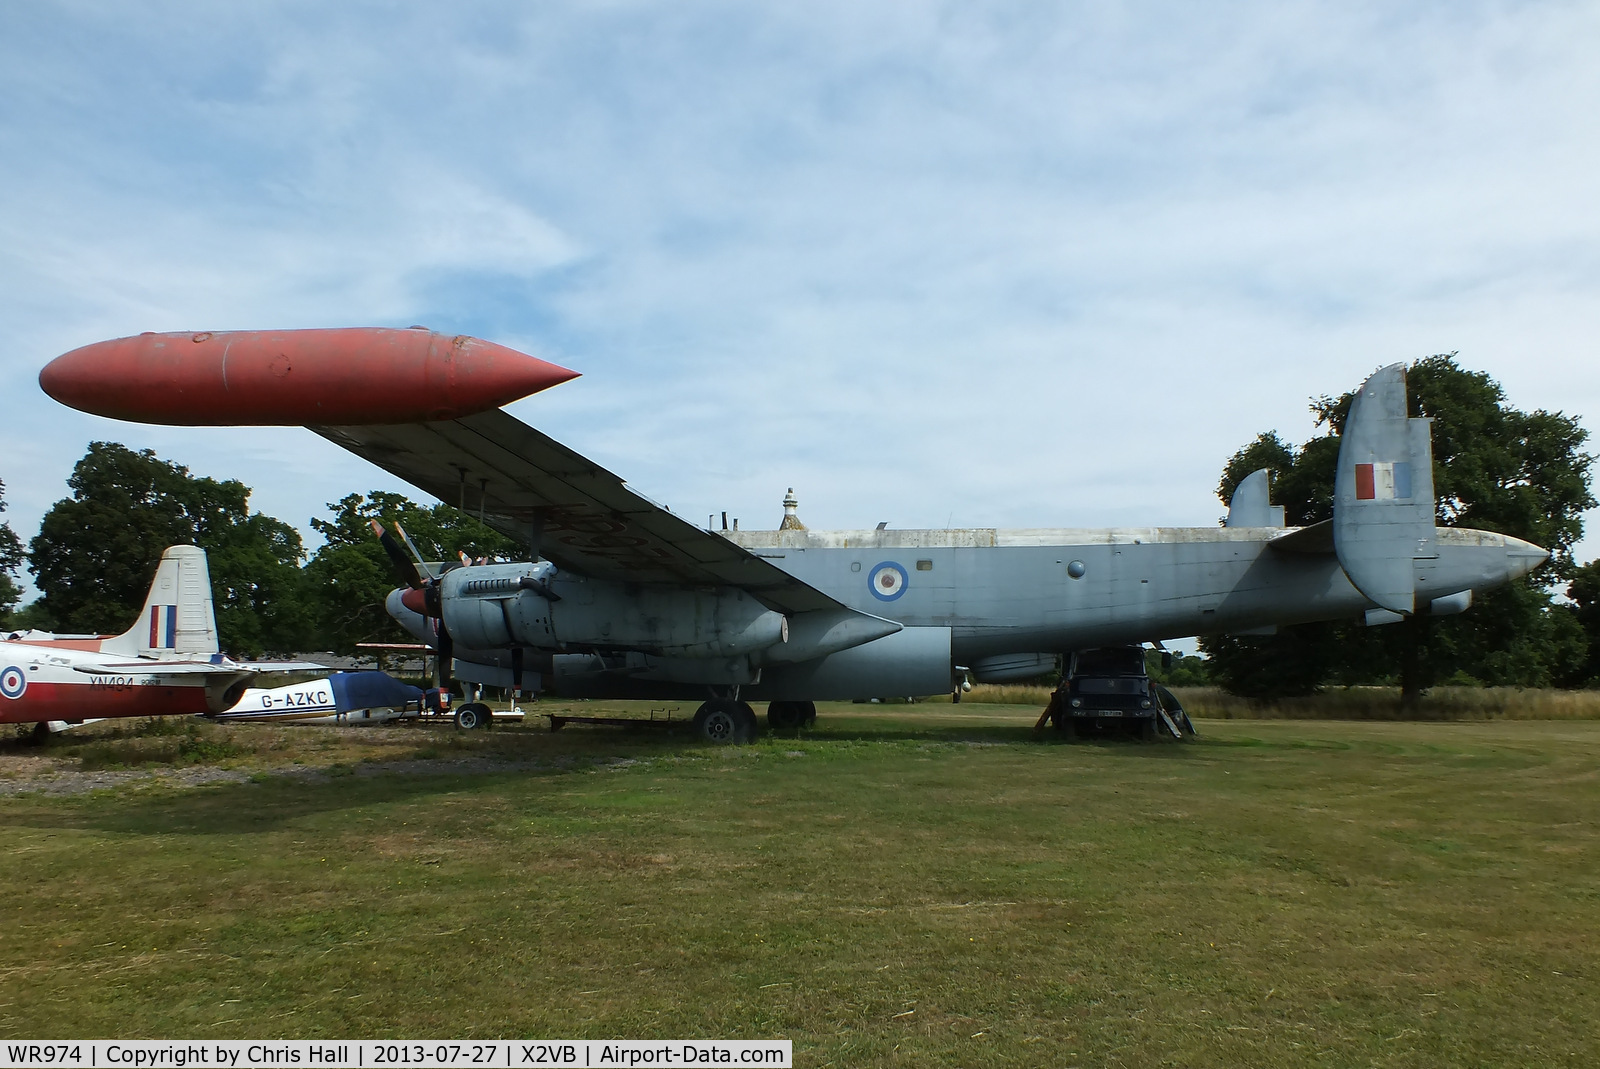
(178, 619)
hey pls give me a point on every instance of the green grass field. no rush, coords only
(905, 885)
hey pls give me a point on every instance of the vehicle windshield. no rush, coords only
(1118, 661)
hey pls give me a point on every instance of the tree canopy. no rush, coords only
(1495, 468)
(350, 576)
(11, 558)
(97, 551)
(1584, 590)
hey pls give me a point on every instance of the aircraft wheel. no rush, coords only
(724, 721)
(786, 716)
(811, 713)
(751, 724)
(472, 716)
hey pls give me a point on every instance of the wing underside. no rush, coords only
(565, 507)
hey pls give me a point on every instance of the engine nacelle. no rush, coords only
(494, 606)
(913, 662)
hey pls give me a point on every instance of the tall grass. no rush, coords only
(1349, 703)
(1383, 703)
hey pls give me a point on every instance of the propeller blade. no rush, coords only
(447, 654)
(401, 531)
(403, 565)
(516, 672)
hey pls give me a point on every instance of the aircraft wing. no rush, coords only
(566, 508)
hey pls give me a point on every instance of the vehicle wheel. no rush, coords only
(785, 716)
(472, 716)
(810, 714)
(723, 721)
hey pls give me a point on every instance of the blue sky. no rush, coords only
(1000, 264)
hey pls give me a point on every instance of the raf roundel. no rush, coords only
(887, 581)
(13, 682)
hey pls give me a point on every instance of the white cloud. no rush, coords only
(1011, 265)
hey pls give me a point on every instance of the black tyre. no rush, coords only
(811, 713)
(724, 722)
(752, 726)
(785, 716)
(472, 716)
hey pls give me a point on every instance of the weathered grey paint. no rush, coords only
(970, 595)
(1011, 591)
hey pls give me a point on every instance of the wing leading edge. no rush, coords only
(566, 508)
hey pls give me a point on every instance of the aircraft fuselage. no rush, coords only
(1061, 589)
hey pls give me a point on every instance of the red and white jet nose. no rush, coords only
(331, 378)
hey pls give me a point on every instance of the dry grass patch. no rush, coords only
(1383, 703)
(1345, 703)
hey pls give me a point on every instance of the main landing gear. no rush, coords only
(791, 716)
(729, 720)
(725, 720)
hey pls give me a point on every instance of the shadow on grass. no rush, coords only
(268, 802)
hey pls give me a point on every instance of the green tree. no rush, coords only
(1185, 670)
(1495, 468)
(10, 559)
(1584, 590)
(351, 576)
(97, 551)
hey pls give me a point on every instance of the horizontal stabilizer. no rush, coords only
(1383, 506)
(160, 668)
(1318, 538)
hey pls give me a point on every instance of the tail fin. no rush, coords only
(1383, 505)
(1251, 506)
(177, 616)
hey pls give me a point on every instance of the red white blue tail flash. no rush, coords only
(163, 627)
(1384, 481)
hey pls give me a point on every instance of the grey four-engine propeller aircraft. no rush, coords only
(620, 597)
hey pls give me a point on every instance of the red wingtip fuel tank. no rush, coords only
(332, 378)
